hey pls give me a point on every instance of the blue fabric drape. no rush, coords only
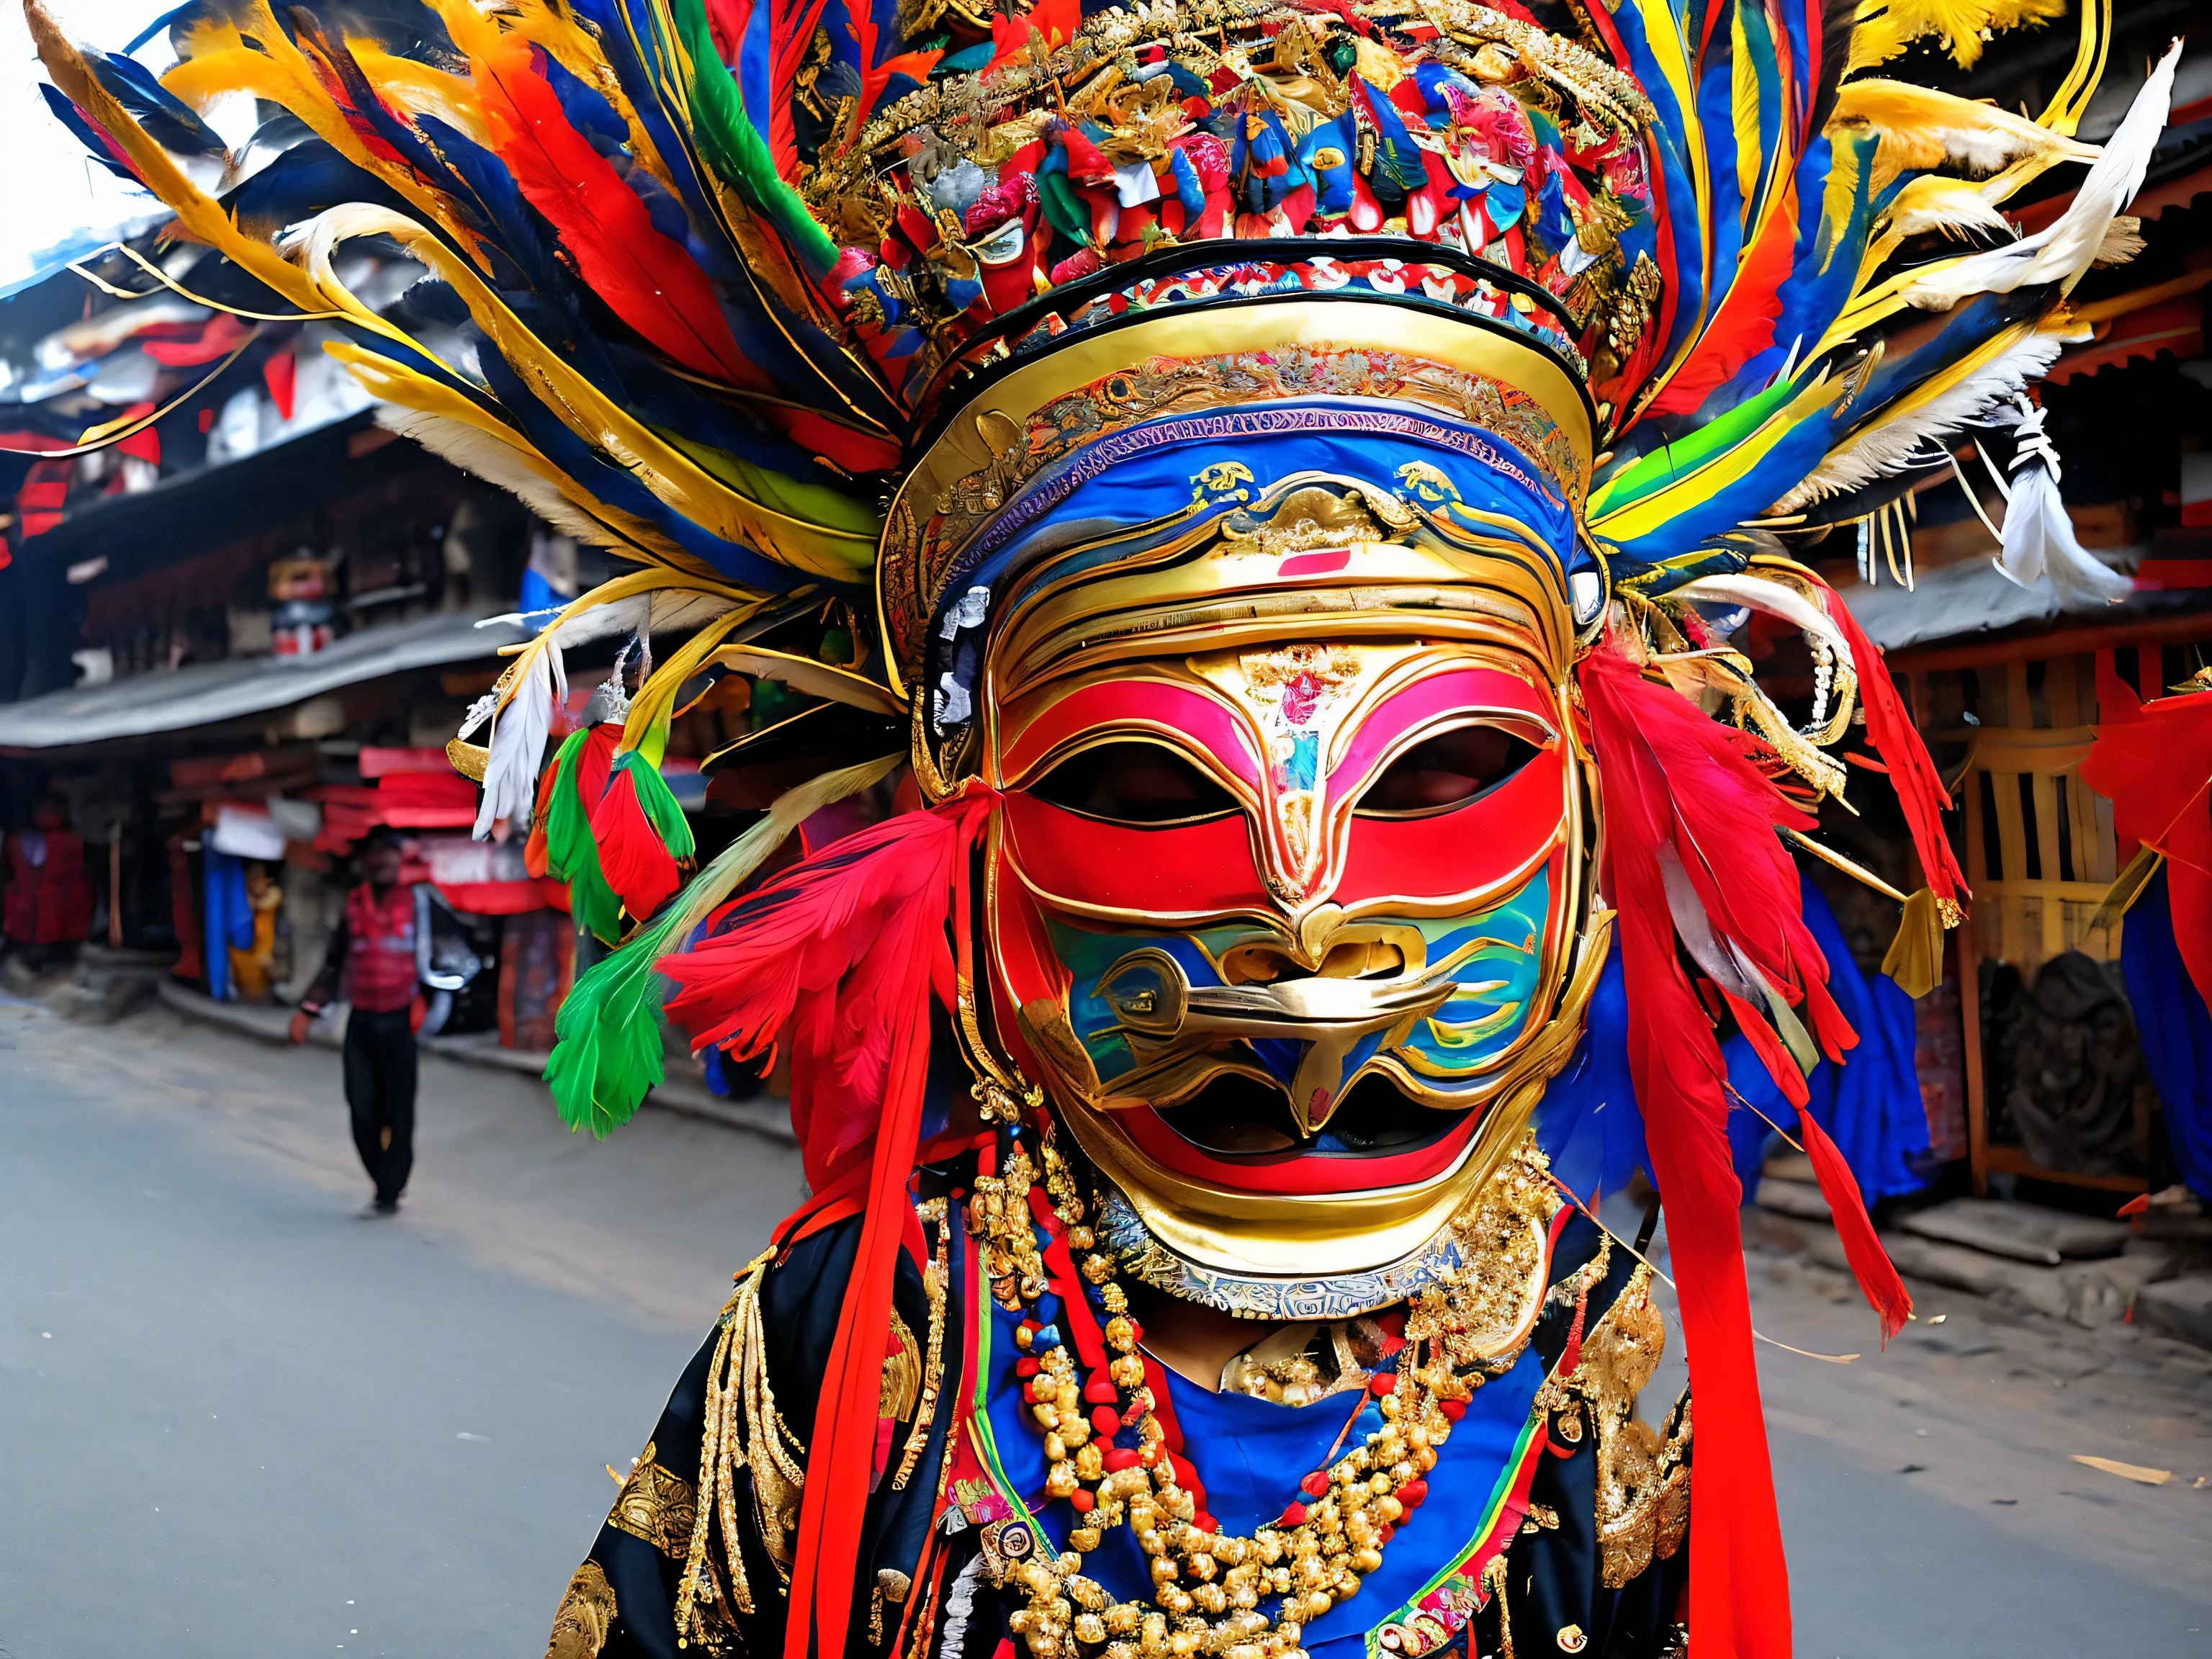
(1870, 1105)
(2175, 1030)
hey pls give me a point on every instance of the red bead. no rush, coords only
(1026, 1368)
(1292, 1516)
(1121, 1457)
(1383, 1382)
(1099, 1390)
(1314, 1483)
(1412, 1493)
(1382, 1538)
(1105, 1419)
(1455, 1409)
(1205, 1522)
(1081, 1500)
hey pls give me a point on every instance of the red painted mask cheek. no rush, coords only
(1489, 840)
(1088, 865)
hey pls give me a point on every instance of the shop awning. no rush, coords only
(204, 694)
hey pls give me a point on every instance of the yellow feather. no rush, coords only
(222, 60)
(775, 525)
(458, 428)
(1886, 27)
(1743, 113)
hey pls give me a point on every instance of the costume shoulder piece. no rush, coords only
(1230, 521)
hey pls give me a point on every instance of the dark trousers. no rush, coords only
(379, 1087)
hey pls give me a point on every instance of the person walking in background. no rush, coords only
(373, 949)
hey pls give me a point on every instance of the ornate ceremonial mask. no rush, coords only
(1289, 900)
(1264, 493)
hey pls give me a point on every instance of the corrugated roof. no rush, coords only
(203, 694)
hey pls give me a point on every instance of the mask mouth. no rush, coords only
(1239, 1120)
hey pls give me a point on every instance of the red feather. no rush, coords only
(1742, 325)
(648, 280)
(1870, 1264)
(533, 850)
(791, 33)
(1919, 787)
(1738, 1581)
(633, 858)
(1718, 811)
(839, 956)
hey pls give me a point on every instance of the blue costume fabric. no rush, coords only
(1870, 1105)
(2175, 1029)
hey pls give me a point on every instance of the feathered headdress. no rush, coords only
(727, 281)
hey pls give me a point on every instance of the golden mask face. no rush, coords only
(1293, 926)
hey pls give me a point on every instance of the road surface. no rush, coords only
(240, 1421)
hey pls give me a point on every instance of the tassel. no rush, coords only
(572, 854)
(1919, 787)
(2038, 536)
(1870, 1264)
(607, 1053)
(642, 835)
(1915, 955)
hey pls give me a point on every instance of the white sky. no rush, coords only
(49, 189)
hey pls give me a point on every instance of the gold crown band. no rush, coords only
(1471, 372)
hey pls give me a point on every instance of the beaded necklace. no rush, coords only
(1208, 1586)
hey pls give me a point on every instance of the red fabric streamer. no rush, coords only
(1889, 727)
(1739, 1581)
(838, 958)
(1870, 1264)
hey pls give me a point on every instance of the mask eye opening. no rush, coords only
(1135, 783)
(1448, 770)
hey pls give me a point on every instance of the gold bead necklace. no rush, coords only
(1208, 1586)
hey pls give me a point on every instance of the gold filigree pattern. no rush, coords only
(1643, 1483)
(657, 1505)
(585, 1617)
(901, 1387)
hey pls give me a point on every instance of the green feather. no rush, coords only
(733, 145)
(607, 1046)
(658, 802)
(570, 852)
(1663, 466)
(607, 1051)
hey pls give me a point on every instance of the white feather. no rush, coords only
(518, 472)
(518, 745)
(2064, 249)
(1875, 452)
(1771, 597)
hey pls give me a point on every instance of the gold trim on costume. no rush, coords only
(585, 1615)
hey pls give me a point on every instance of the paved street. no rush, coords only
(239, 1421)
